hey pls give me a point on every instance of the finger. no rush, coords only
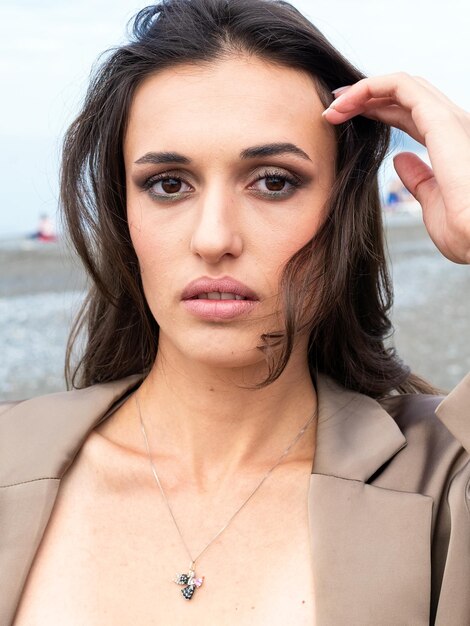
(416, 175)
(425, 83)
(403, 89)
(337, 92)
(451, 235)
(381, 110)
(371, 102)
(337, 117)
(448, 144)
(394, 115)
(437, 92)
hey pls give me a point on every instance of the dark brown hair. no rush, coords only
(336, 288)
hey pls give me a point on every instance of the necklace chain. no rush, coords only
(189, 580)
(286, 451)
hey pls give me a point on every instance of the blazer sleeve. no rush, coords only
(454, 598)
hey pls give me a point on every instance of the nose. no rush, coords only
(216, 234)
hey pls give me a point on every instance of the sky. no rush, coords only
(47, 48)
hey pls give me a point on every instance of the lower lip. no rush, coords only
(219, 309)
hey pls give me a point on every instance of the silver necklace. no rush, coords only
(191, 581)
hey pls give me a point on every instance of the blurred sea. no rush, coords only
(42, 286)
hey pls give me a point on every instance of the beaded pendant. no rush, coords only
(190, 582)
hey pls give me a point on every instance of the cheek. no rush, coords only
(158, 254)
(286, 237)
(153, 241)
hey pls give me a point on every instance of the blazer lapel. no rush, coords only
(369, 545)
(31, 468)
(453, 411)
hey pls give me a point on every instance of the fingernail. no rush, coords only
(330, 107)
(339, 102)
(341, 89)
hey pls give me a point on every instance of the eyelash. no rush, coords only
(294, 181)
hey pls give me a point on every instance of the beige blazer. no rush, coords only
(388, 505)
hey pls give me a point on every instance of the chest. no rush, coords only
(112, 561)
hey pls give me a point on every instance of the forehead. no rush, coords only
(231, 102)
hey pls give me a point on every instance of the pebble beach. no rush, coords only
(42, 286)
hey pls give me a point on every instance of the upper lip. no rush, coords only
(225, 284)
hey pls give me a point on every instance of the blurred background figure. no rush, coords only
(396, 193)
(45, 230)
(398, 199)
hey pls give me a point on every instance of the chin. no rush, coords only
(214, 350)
(230, 360)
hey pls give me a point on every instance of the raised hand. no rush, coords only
(413, 105)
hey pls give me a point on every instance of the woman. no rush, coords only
(242, 448)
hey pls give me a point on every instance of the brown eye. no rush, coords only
(166, 187)
(275, 183)
(171, 185)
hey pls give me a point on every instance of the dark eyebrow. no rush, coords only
(271, 149)
(163, 157)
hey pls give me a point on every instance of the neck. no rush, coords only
(211, 427)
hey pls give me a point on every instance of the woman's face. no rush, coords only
(228, 169)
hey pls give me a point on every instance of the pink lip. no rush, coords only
(222, 285)
(218, 309)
